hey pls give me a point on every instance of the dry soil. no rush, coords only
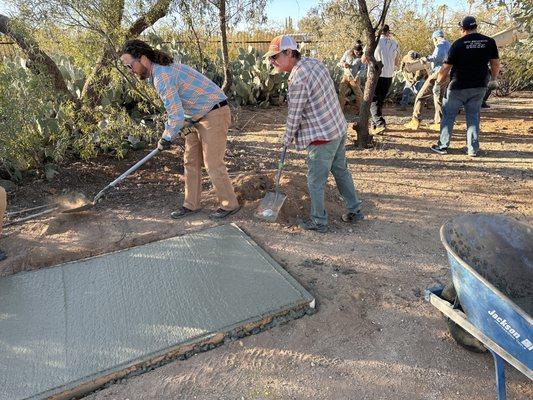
(373, 336)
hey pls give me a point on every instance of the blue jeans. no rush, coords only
(321, 159)
(409, 92)
(471, 100)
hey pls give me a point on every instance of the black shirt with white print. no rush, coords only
(469, 57)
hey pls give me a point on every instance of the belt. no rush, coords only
(221, 104)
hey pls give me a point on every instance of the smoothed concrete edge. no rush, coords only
(277, 266)
(184, 351)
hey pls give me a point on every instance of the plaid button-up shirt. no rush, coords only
(186, 93)
(314, 111)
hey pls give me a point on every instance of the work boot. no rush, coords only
(437, 149)
(468, 153)
(221, 213)
(413, 124)
(310, 225)
(378, 130)
(3, 255)
(434, 127)
(182, 212)
(353, 217)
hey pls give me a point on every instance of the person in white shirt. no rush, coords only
(388, 52)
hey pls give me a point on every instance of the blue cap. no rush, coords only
(437, 34)
(468, 22)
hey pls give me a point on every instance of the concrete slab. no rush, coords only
(69, 329)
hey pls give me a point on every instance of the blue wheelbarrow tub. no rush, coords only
(491, 259)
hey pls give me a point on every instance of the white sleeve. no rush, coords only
(377, 53)
(344, 56)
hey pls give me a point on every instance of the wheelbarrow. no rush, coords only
(491, 260)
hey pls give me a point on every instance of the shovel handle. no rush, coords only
(134, 168)
(280, 166)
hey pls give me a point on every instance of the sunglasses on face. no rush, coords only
(130, 65)
(275, 56)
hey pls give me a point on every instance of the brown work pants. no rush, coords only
(426, 91)
(208, 146)
(3, 204)
(348, 81)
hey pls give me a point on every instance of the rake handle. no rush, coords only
(134, 168)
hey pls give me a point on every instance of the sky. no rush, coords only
(278, 10)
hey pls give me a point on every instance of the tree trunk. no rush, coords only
(364, 139)
(225, 58)
(38, 60)
(100, 77)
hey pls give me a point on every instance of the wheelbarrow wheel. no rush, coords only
(462, 337)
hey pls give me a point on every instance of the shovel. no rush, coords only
(273, 201)
(91, 204)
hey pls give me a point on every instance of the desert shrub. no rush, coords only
(31, 130)
(38, 128)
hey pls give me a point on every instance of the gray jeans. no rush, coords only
(471, 100)
(321, 159)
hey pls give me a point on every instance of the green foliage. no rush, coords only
(37, 128)
(336, 24)
(517, 66)
(74, 77)
(517, 62)
(32, 132)
(107, 129)
(253, 82)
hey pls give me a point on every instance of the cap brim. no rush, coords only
(271, 53)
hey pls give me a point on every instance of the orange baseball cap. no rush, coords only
(280, 43)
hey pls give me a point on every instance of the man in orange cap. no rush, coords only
(315, 122)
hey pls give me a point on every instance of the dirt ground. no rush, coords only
(373, 336)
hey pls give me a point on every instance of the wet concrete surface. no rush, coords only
(74, 323)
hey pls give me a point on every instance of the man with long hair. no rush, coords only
(189, 95)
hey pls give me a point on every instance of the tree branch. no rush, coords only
(39, 61)
(98, 78)
(384, 11)
(158, 11)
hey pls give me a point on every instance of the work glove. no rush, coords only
(493, 84)
(163, 144)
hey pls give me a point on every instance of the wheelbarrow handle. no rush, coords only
(134, 168)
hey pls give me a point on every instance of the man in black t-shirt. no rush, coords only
(467, 62)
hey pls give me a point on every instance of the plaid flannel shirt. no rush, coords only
(186, 94)
(314, 111)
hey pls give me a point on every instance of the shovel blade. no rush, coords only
(78, 209)
(270, 206)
